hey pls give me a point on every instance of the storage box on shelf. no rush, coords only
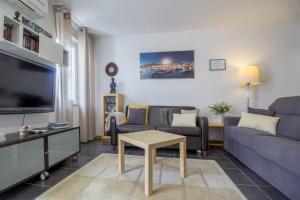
(20, 40)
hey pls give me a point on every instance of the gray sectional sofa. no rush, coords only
(276, 158)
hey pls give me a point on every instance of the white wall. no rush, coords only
(275, 50)
(10, 123)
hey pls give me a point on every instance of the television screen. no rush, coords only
(25, 86)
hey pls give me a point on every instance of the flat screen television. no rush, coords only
(25, 86)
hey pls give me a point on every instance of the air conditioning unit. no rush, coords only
(33, 8)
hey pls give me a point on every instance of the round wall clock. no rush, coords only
(111, 69)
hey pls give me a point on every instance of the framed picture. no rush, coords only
(217, 64)
(166, 65)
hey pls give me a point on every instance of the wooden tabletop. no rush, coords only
(151, 138)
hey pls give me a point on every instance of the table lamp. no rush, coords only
(249, 76)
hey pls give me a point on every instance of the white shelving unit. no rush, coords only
(45, 50)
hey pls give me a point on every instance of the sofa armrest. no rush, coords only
(113, 129)
(231, 121)
(203, 123)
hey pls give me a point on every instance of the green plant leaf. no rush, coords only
(220, 108)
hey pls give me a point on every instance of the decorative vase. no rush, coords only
(113, 86)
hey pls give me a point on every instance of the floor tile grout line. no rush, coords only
(253, 185)
(266, 186)
(227, 167)
(251, 181)
(264, 192)
(96, 148)
(69, 168)
(45, 186)
(89, 156)
(243, 173)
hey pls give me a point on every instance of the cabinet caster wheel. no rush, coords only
(44, 176)
(75, 157)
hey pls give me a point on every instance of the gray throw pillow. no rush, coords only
(163, 117)
(260, 111)
(137, 116)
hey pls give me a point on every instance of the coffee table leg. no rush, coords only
(121, 156)
(148, 171)
(183, 159)
(153, 156)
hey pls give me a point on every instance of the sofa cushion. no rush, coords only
(184, 120)
(259, 122)
(154, 112)
(146, 107)
(126, 128)
(137, 116)
(171, 113)
(289, 126)
(282, 151)
(163, 117)
(244, 136)
(187, 131)
(189, 111)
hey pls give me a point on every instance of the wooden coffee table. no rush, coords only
(150, 141)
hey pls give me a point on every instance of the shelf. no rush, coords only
(215, 125)
(15, 22)
(11, 30)
(9, 45)
(117, 105)
(37, 47)
(216, 144)
(30, 30)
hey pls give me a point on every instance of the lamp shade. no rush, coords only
(249, 76)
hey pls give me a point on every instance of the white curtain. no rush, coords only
(63, 106)
(86, 76)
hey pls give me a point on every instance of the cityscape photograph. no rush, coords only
(162, 65)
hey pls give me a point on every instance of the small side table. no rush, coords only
(219, 129)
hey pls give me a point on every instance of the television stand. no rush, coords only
(23, 157)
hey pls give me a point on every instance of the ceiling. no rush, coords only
(115, 17)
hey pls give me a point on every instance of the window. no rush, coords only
(73, 72)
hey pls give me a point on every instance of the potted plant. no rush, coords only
(219, 109)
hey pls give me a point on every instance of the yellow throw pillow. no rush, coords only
(259, 122)
(139, 107)
(184, 120)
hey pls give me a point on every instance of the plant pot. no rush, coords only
(219, 119)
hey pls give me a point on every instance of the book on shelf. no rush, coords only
(30, 42)
(111, 108)
(7, 32)
(110, 100)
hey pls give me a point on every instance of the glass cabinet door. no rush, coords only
(20, 161)
(63, 145)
